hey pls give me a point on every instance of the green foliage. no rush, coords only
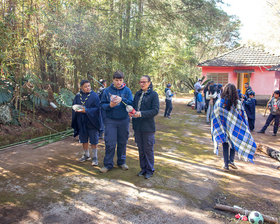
(189, 82)
(55, 44)
(64, 98)
(6, 92)
(39, 98)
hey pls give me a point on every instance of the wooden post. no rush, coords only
(244, 212)
(267, 104)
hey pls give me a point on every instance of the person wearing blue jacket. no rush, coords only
(146, 103)
(116, 121)
(250, 108)
(86, 122)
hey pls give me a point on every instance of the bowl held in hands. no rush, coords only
(77, 107)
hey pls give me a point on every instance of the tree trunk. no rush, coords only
(76, 80)
(138, 33)
(127, 21)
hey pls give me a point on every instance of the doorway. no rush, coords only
(242, 78)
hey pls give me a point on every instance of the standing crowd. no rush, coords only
(106, 114)
(232, 116)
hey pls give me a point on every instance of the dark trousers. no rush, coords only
(230, 158)
(145, 142)
(268, 121)
(168, 108)
(116, 133)
(251, 123)
(102, 127)
(206, 105)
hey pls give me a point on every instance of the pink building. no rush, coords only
(245, 64)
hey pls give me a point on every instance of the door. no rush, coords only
(242, 78)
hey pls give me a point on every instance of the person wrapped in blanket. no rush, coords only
(229, 127)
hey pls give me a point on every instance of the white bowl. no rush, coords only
(77, 107)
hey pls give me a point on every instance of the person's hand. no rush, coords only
(82, 110)
(137, 114)
(113, 104)
(119, 99)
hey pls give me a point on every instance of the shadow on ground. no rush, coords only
(48, 185)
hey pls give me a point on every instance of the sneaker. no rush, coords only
(94, 162)
(148, 175)
(104, 169)
(261, 131)
(124, 167)
(168, 117)
(274, 134)
(84, 158)
(141, 173)
(232, 165)
(224, 168)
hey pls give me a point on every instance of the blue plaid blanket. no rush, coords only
(232, 127)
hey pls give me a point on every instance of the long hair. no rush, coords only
(207, 85)
(230, 95)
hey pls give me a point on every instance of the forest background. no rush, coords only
(47, 47)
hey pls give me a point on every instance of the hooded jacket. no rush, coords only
(118, 112)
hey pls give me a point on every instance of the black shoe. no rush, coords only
(225, 168)
(148, 175)
(232, 165)
(274, 134)
(261, 131)
(141, 173)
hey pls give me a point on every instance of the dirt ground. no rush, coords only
(48, 184)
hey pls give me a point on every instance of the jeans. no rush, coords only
(145, 142)
(230, 158)
(251, 123)
(168, 108)
(199, 107)
(195, 100)
(268, 121)
(116, 133)
(102, 128)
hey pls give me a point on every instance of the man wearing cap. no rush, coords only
(197, 86)
(168, 101)
(86, 121)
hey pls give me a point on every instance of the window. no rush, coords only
(221, 78)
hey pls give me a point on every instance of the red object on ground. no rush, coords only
(237, 216)
(244, 218)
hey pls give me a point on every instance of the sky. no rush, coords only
(259, 22)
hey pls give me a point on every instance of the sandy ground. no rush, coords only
(49, 185)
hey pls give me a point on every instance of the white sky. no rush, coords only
(259, 23)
